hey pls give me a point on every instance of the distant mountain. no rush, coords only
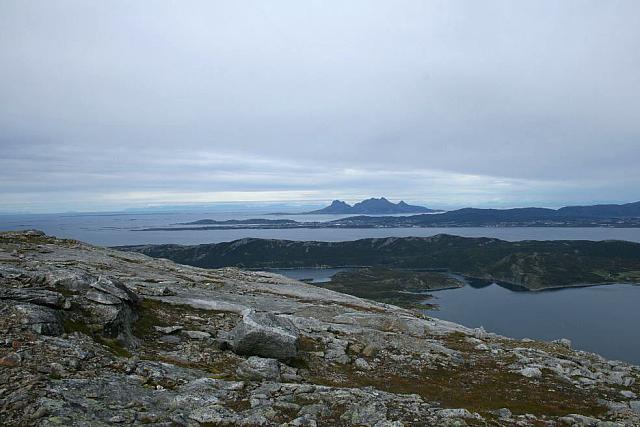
(372, 206)
(626, 215)
(628, 210)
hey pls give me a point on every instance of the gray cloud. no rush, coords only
(448, 102)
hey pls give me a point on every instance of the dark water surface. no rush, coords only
(601, 319)
(121, 229)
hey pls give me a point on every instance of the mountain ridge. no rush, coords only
(372, 206)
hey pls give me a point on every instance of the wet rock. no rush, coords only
(259, 369)
(265, 335)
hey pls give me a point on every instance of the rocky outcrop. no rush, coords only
(93, 336)
(266, 335)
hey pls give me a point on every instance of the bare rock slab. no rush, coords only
(259, 369)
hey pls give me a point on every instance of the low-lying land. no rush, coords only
(532, 265)
(404, 288)
(95, 336)
(626, 215)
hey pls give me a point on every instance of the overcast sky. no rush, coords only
(113, 104)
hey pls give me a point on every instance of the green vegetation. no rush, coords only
(398, 287)
(533, 265)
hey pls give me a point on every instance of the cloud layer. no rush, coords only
(108, 105)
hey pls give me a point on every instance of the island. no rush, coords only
(531, 265)
(371, 206)
(624, 215)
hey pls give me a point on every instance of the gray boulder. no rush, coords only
(258, 369)
(265, 335)
(115, 288)
(37, 296)
(42, 320)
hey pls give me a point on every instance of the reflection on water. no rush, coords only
(602, 319)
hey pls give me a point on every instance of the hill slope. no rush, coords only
(531, 264)
(94, 336)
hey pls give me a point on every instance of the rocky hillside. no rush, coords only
(532, 264)
(93, 336)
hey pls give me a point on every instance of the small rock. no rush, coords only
(168, 329)
(315, 410)
(258, 369)
(628, 394)
(456, 413)
(563, 342)
(170, 339)
(480, 333)
(103, 298)
(11, 360)
(635, 406)
(117, 419)
(304, 421)
(504, 413)
(530, 372)
(370, 350)
(362, 364)
(197, 335)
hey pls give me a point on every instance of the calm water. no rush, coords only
(120, 229)
(601, 319)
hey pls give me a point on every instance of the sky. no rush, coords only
(120, 104)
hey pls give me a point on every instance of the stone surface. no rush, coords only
(34, 296)
(168, 329)
(42, 320)
(197, 335)
(530, 372)
(259, 369)
(266, 335)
